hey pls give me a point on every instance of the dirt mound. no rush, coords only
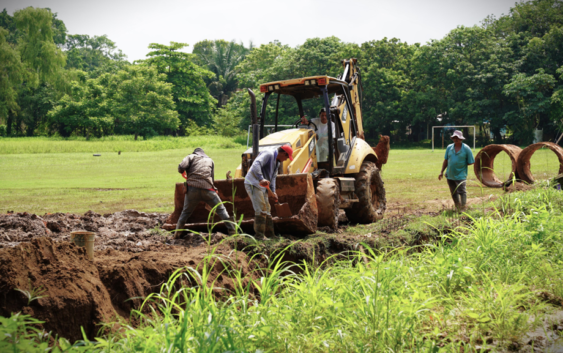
(77, 292)
(127, 275)
(72, 293)
(129, 230)
(518, 187)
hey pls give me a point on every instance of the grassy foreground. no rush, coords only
(144, 177)
(480, 288)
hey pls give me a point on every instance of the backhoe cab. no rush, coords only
(315, 190)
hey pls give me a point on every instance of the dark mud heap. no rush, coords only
(129, 230)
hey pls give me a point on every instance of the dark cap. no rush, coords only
(199, 152)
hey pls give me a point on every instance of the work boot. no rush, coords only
(260, 227)
(231, 228)
(270, 233)
(463, 201)
(179, 234)
(457, 202)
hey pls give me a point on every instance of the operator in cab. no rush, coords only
(322, 134)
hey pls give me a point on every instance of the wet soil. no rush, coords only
(132, 259)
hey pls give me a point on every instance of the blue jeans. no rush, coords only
(259, 200)
(192, 199)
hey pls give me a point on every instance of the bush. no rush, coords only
(3, 130)
(194, 130)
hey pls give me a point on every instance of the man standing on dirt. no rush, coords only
(322, 134)
(200, 179)
(458, 157)
(261, 176)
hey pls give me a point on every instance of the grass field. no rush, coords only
(76, 181)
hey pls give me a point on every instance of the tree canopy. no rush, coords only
(505, 76)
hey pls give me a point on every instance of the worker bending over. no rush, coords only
(200, 179)
(262, 174)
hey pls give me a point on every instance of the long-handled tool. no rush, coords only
(282, 209)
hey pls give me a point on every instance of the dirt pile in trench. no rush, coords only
(72, 294)
(75, 291)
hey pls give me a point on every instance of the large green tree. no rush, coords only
(142, 102)
(41, 63)
(91, 53)
(221, 58)
(86, 108)
(192, 98)
(11, 76)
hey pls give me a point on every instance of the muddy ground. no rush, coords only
(134, 257)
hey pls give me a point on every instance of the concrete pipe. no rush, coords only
(485, 161)
(524, 159)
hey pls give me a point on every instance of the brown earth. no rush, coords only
(131, 260)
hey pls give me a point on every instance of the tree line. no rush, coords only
(504, 75)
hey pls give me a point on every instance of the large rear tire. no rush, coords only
(328, 202)
(371, 194)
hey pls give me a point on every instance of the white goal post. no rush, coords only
(451, 127)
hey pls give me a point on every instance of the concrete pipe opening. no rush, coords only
(524, 163)
(484, 166)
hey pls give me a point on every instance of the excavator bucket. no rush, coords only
(297, 190)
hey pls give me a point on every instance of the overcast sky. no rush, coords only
(133, 24)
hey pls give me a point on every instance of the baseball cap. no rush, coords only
(289, 151)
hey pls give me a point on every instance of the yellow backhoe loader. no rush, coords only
(315, 190)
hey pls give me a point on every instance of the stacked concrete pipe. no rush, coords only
(485, 160)
(524, 159)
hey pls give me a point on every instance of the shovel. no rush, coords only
(282, 209)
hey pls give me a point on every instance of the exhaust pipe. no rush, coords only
(255, 125)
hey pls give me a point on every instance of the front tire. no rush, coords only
(371, 194)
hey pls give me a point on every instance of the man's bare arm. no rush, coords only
(444, 166)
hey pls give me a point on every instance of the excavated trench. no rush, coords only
(133, 258)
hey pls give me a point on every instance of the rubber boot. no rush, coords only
(270, 233)
(463, 201)
(457, 202)
(231, 228)
(260, 227)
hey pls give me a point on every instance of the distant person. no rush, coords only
(262, 174)
(458, 157)
(322, 134)
(200, 180)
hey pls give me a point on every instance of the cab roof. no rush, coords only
(304, 88)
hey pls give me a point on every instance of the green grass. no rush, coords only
(144, 179)
(77, 182)
(481, 288)
(25, 145)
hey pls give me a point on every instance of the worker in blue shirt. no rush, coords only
(458, 157)
(262, 175)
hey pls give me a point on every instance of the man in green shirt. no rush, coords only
(458, 157)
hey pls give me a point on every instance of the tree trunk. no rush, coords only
(136, 135)
(9, 123)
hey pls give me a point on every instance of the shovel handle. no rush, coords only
(270, 190)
